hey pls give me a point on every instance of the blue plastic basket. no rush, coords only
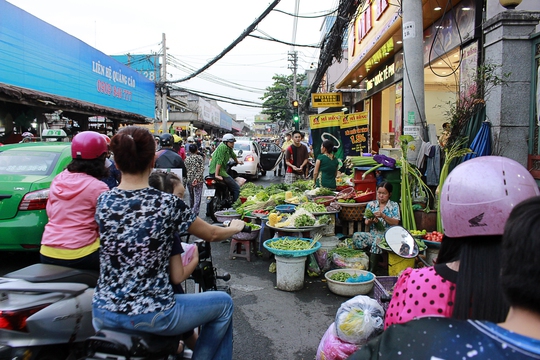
(288, 209)
(291, 253)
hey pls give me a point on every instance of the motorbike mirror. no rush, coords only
(240, 152)
(401, 242)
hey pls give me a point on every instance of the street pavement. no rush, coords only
(271, 323)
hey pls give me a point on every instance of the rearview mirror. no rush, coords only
(401, 242)
(240, 152)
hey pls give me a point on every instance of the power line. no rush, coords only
(244, 34)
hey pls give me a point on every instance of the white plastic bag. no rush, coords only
(359, 319)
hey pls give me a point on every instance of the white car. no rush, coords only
(256, 160)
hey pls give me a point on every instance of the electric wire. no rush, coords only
(244, 34)
(305, 16)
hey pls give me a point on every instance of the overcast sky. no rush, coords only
(196, 31)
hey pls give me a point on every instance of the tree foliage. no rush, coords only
(278, 98)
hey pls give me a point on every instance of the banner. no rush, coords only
(354, 130)
(326, 127)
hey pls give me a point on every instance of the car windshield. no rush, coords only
(240, 146)
(27, 162)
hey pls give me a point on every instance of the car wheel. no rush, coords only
(263, 172)
(256, 175)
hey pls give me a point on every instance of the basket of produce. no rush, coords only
(348, 193)
(343, 187)
(321, 191)
(324, 200)
(225, 215)
(364, 196)
(292, 246)
(287, 208)
(383, 288)
(255, 230)
(350, 282)
(300, 219)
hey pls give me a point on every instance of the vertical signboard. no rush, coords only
(326, 127)
(354, 129)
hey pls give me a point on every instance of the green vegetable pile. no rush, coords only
(378, 225)
(324, 192)
(303, 220)
(324, 220)
(289, 244)
(253, 226)
(312, 207)
(345, 252)
(343, 276)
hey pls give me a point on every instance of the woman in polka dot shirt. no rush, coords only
(476, 200)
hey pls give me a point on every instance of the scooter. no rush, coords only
(218, 196)
(114, 344)
(45, 312)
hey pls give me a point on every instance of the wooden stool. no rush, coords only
(237, 251)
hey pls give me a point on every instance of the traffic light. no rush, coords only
(296, 118)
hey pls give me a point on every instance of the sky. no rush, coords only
(196, 32)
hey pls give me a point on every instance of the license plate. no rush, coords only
(209, 192)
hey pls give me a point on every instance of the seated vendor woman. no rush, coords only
(380, 214)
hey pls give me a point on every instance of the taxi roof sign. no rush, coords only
(53, 133)
(326, 100)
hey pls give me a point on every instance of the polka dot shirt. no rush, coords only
(420, 293)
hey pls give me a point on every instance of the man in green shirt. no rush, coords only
(218, 165)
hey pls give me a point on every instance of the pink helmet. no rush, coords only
(107, 139)
(478, 195)
(88, 145)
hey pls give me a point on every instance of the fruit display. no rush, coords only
(434, 236)
(418, 233)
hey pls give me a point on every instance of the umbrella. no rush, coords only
(481, 145)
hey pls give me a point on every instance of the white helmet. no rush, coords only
(228, 138)
(190, 139)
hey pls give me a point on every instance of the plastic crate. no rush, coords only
(382, 290)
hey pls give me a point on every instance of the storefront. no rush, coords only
(376, 66)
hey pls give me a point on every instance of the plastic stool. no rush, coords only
(236, 249)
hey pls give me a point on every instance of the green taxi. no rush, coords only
(26, 173)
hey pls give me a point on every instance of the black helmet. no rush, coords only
(166, 140)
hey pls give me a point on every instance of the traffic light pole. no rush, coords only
(296, 117)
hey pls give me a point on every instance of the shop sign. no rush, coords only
(354, 130)
(326, 100)
(326, 127)
(383, 75)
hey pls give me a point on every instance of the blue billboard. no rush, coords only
(146, 65)
(38, 56)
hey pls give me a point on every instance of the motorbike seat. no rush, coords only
(131, 344)
(40, 273)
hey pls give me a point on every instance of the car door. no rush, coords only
(271, 157)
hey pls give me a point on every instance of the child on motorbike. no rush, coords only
(71, 236)
(136, 225)
(169, 182)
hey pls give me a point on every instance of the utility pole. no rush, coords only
(414, 113)
(293, 58)
(164, 109)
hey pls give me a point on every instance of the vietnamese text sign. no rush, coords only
(354, 130)
(326, 100)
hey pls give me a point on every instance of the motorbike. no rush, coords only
(45, 312)
(218, 196)
(114, 344)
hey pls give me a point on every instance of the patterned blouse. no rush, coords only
(136, 229)
(195, 168)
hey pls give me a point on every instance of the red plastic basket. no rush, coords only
(382, 290)
(366, 197)
(346, 194)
